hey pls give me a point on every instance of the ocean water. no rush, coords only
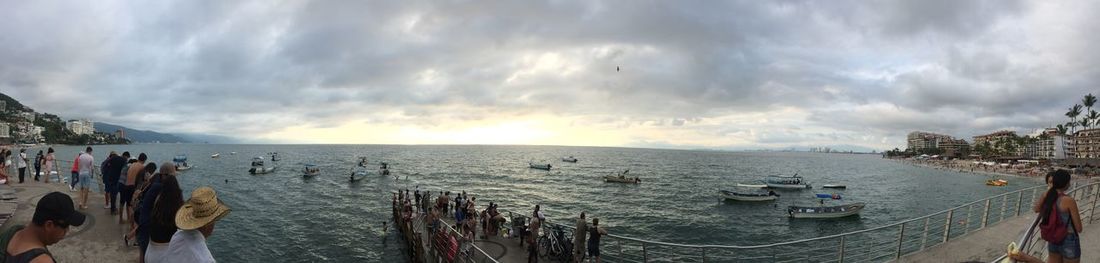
(282, 217)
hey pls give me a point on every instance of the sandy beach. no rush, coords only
(98, 240)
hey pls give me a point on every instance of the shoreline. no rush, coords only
(968, 167)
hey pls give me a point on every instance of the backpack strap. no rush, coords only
(5, 239)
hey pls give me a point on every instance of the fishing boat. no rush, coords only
(539, 166)
(232, 153)
(215, 155)
(274, 156)
(181, 163)
(824, 211)
(786, 182)
(621, 179)
(998, 182)
(835, 186)
(310, 170)
(358, 174)
(569, 159)
(752, 185)
(750, 196)
(384, 168)
(259, 167)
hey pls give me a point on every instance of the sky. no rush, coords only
(665, 74)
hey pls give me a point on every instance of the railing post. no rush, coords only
(901, 238)
(966, 223)
(985, 214)
(620, 243)
(947, 226)
(924, 236)
(1004, 205)
(840, 254)
(645, 256)
(1095, 198)
(1019, 203)
(703, 251)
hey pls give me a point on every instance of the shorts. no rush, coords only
(1070, 247)
(127, 195)
(593, 250)
(110, 186)
(85, 181)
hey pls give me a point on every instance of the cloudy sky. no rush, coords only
(680, 74)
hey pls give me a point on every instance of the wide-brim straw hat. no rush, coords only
(202, 209)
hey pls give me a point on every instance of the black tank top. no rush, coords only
(28, 255)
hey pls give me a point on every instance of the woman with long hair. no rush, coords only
(1056, 201)
(157, 222)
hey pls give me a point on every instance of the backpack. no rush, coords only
(1054, 231)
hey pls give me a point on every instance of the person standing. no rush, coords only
(21, 164)
(38, 164)
(128, 188)
(532, 236)
(195, 220)
(157, 214)
(1060, 212)
(594, 233)
(578, 238)
(49, 163)
(85, 170)
(49, 225)
(111, 174)
(75, 174)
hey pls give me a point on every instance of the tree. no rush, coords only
(1088, 100)
(1061, 129)
(1072, 114)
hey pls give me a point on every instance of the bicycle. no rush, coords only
(555, 245)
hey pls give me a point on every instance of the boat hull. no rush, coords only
(183, 168)
(748, 198)
(788, 186)
(834, 186)
(540, 166)
(752, 185)
(825, 211)
(261, 170)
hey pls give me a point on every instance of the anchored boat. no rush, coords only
(824, 211)
(181, 163)
(215, 155)
(752, 185)
(310, 170)
(754, 196)
(259, 167)
(998, 182)
(621, 179)
(786, 182)
(569, 159)
(539, 166)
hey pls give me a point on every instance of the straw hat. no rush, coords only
(202, 209)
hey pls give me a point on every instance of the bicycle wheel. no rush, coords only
(544, 246)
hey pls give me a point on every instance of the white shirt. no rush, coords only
(186, 246)
(86, 162)
(22, 162)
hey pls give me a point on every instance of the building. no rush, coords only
(81, 127)
(29, 116)
(992, 138)
(1086, 143)
(919, 141)
(121, 134)
(1051, 145)
(5, 129)
(954, 148)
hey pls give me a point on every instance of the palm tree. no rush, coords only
(1061, 129)
(1088, 101)
(1072, 114)
(1092, 116)
(1084, 123)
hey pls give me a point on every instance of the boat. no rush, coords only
(181, 163)
(259, 167)
(621, 179)
(824, 211)
(539, 166)
(232, 153)
(215, 155)
(754, 196)
(274, 156)
(752, 185)
(310, 170)
(835, 186)
(786, 182)
(998, 182)
(569, 159)
(384, 168)
(358, 174)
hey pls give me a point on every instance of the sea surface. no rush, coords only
(281, 217)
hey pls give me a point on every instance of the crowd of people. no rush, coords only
(461, 209)
(160, 222)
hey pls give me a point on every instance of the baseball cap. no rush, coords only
(57, 206)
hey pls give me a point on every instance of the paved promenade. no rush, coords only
(98, 240)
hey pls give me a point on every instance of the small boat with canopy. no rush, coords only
(539, 166)
(310, 170)
(181, 163)
(749, 194)
(823, 211)
(786, 182)
(259, 166)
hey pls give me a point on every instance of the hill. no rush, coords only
(140, 136)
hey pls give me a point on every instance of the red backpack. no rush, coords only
(1054, 231)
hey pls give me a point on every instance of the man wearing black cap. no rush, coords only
(52, 218)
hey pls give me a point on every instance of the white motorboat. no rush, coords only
(259, 167)
(569, 159)
(835, 186)
(824, 211)
(216, 155)
(621, 179)
(181, 163)
(310, 170)
(754, 196)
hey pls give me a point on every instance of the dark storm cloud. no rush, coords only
(239, 67)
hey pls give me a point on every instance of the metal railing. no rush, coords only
(883, 243)
(1032, 243)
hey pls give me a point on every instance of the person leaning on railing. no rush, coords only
(1060, 221)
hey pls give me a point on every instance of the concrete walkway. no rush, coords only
(98, 240)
